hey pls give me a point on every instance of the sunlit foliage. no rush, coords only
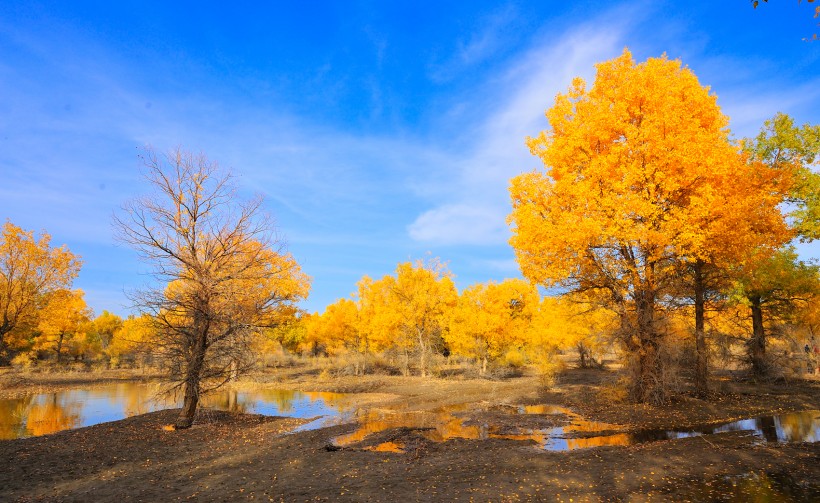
(29, 270)
(491, 319)
(632, 167)
(63, 321)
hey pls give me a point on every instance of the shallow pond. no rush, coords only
(46, 413)
(551, 427)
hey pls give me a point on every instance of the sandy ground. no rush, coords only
(230, 457)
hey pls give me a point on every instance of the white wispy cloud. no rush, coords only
(473, 208)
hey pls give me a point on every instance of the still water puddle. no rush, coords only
(46, 413)
(574, 433)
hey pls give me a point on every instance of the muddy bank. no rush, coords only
(227, 457)
(231, 457)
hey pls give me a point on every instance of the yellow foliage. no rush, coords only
(134, 335)
(61, 321)
(408, 311)
(490, 319)
(639, 169)
(337, 329)
(29, 270)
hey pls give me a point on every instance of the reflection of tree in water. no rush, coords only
(438, 426)
(50, 415)
(337, 401)
(800, 426)
(12, 417)
(282, 398)
(766, 425)
(619, 439)
(136, 399)
(229, 400)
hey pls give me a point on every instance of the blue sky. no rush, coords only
(378, 132)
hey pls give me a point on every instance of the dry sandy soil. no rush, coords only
(230, 457)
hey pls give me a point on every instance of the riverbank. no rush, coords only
(227, 457)
(16, 383)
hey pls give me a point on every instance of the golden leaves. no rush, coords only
(638, 170)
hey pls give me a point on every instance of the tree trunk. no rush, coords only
(193, 375)
(484, 365)
(188, 412)
(423, 361)
(406, 363)
(757, 345)
(4, 329)
(701, 351)
(422, 352)
(582, 355)
(60, 347)
(648, 386)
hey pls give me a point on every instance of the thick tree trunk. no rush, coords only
(5, 328)
(406, 363)
(757, 345)
(423, 361)
(649, 372)
(188, 412)
(192, 378)
(701, 351)
(484, 365)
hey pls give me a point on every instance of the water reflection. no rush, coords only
(792, 427)
(452, 422)
(438, 425)
(46, 413)
(565, 430)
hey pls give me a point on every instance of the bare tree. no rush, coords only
(221, 272)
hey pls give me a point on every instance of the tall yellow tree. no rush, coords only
(61, 319)
(629, 166)
(342, 329)
(492, 318)
(408, 311)
(30, 268)
(105, 326)
(131, 339)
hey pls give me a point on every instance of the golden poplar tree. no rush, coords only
(30, 268)
(631, 168)
(408, 312)
(490, 319)
(61, 320)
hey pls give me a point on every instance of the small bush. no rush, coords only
(24, 361)
(548, 370)
(514, 358)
